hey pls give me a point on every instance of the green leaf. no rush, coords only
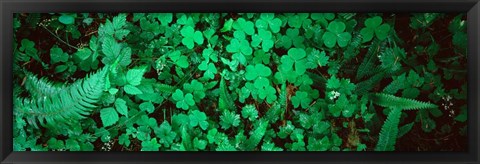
(389, 132)
(245, 26)
(301, 98)
(229, 119)
(124, 140)
(165, 133)
(335, 34)
(386, 100)
(249, 112)
(191, 37)
(198, 118)
(147, 106)
(121, 106)
(66, 19)
(183, 101)
(72, 145)
(151, 145)
(375, 27)
(227, 26)
(119, 21)
(83, 53)
(57, 55)
(199, 144)
(108, 116)
(130, 89)
(135, 75)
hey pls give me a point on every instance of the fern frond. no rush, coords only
(368, 63)
(39, 87)
(353, 48)
(386, 100)
(389, 132)
(395, 85)
(165, 88)
(225, 97)
(282, 98)
(367, 85)
(71, 103)
(256, 135)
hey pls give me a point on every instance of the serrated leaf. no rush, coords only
(130, 89)
(108, 116)
(135, 75)
(121, 106)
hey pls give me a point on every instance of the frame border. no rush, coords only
(8, 7)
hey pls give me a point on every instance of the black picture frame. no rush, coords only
(8, 7)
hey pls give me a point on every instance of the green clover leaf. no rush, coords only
(191, 36)
(296, 56)
(179, 59)
(292, 37)
(57, 55)
(261, 57)
(259, 70)
(240, 48)
(264, 37)
(196, 88)
(299, 20)
(198, 118)
(268, 20)
(183, 101)
(209, 68)
(335, 34)
(244, 26)
(301, 98)
(208, 54)
(375, 27)
(268, 92)
(247, 90)
(323, 18)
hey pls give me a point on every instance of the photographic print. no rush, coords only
(240, 82)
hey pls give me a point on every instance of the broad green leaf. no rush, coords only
(135, 75)
(130, 89)
(108, 116)
(121, 106)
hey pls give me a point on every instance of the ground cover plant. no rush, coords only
(240, 82)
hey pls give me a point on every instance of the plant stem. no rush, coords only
(61, 40)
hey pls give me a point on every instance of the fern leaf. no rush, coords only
(71, 103)
(368, 63)
(164, 88)
(367, 85)
(257, 135)
(389, 132)
(41, 87)
(226, 101)
(387, 100)
(397, 84)
(282, 98)
(353, 48)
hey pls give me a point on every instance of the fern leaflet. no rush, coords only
(389, 132)
(386, 100)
